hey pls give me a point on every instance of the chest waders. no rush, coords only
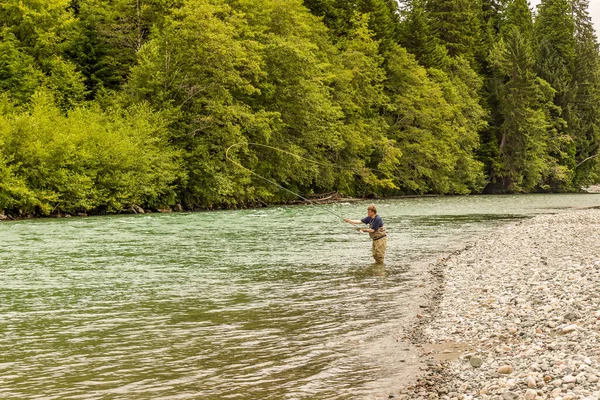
(379, 238)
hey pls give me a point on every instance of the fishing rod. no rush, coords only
(280, 186)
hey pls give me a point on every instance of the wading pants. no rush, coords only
(379, 246)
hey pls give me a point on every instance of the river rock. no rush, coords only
(530, 394)
(505, 370)
(138, 209)
(571, 316)
(509, 396)
(476, 362)
(530, 381)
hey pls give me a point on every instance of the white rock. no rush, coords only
(530, 394)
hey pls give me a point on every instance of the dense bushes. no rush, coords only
(106, 105)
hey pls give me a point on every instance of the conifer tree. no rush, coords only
(554, 35)
(585, 107)
(459, 25)
(418, 36)
(555, 38)
(339, 14)
(524, 113)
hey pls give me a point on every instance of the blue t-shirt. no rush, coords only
(374, 223)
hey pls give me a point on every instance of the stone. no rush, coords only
(505, 370)
(530, 394)
(476, 362)
(530, 381)
(569, 328)
(571, 316)
(509, 396)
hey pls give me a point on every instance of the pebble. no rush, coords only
(476, 362)
(505, 369)
(524, 300)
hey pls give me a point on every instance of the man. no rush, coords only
(376, 231)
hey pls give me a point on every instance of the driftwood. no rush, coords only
(326, 198)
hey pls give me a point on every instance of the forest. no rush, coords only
(110, 104)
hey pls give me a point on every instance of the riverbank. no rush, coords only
(515, 315)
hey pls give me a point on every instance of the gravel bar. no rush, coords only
(515, 315)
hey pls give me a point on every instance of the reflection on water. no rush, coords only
(277, 303)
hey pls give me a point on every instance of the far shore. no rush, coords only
(515, 315)
(322, 199)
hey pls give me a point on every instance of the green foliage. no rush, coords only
(524, 130)
(459, 25)
(86, 160)
(18, 76)
(436, 156)
(417, 35)
(585, 114)
(110, 103)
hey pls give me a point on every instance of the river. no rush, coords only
(273, 303)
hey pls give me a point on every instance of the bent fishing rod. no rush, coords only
(280, 186)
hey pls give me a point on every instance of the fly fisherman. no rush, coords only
(376, 231)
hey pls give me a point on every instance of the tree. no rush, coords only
(338, 16)
(460, 27)
(419, 38)
(86, 160)
(585, 109)
(523, 163)
(554, 34)
(427, 122)
(110, 33)
(18, 76)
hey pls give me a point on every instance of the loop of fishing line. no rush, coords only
(291, 154)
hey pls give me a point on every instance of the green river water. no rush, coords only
(274, 303)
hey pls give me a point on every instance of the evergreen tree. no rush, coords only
(554, 34)
(418, 36)
(110, 33)
(460, 26)
(585, 109)
(523, 142)
(339, 14)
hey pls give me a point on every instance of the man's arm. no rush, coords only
(357, 222)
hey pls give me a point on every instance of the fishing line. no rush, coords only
(292, 154)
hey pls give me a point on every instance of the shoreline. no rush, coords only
(514, 315)
(325, 199)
